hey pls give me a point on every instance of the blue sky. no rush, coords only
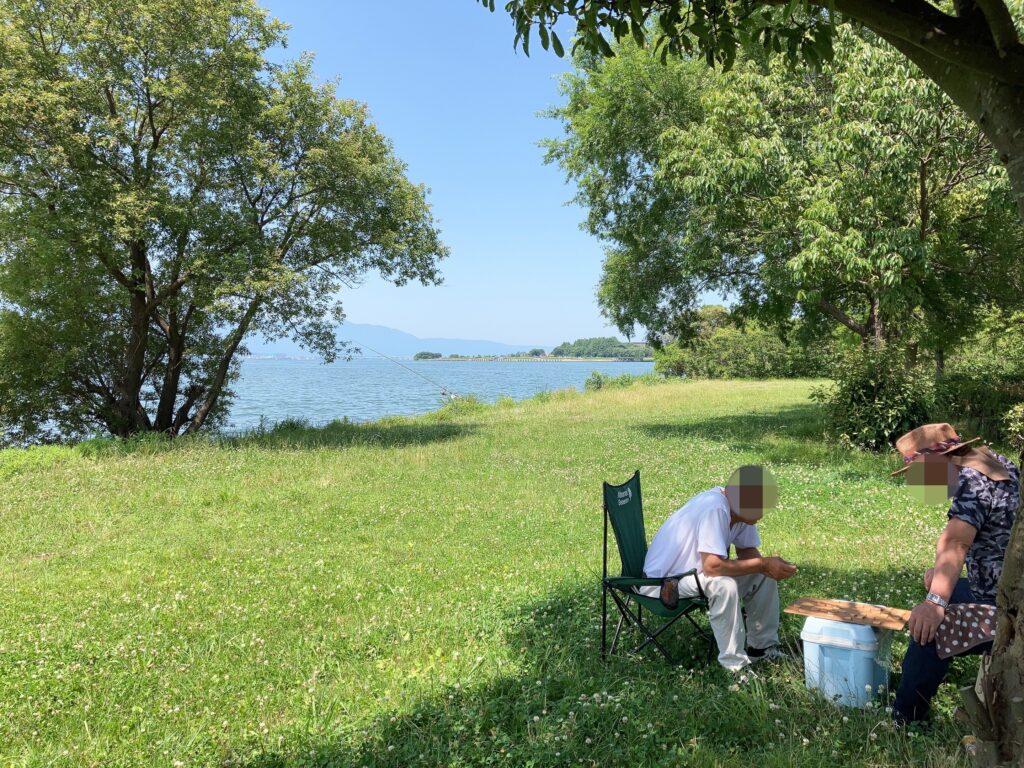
(460, 105)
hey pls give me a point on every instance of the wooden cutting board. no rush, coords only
(851, 612)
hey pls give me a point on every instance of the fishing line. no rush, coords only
(444, 390)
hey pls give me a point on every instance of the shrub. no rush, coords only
(459, 406)
(984, 378)
(1013, 427)
(598, 380)
(727, 353)
(875, 398)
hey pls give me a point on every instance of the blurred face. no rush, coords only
(932, 479)
(751, 490)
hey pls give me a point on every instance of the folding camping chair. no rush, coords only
(624, 508)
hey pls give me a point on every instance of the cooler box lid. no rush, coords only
(839, 634)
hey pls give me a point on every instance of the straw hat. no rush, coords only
(942, 440)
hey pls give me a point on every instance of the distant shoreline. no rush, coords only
(466, 359)
(526, 359)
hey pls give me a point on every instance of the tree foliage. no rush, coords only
(718, 347)
(858, 195)
(971, 49)
(601, 346)
(165, 192)
(876, 398)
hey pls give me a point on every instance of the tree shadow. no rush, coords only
(562, 704)
(387, 433)
(790, 435)
(291, 434)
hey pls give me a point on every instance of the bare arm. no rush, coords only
(950, 553)
(775, 567)
(747, 553)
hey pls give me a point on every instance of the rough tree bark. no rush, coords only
(1000, 722)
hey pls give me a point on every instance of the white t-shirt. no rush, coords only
(700, 525)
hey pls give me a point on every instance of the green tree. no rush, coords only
(536, 352)
(427, 356)
(717, 347)
(859, 195)
(602, 346)
(165, 192)
(971, 49)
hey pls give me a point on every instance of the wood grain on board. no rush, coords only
(851, 612)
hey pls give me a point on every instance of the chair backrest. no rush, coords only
(624, 508)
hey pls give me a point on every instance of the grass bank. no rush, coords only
(425, 591)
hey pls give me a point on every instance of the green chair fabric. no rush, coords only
(623, 509)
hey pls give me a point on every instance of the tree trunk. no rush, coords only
(213, 393)
(1004, 682)
(172, 376)
(129, 416)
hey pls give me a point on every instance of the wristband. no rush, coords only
(931, 597)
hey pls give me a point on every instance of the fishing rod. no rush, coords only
(445, 392)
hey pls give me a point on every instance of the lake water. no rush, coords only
(367, 388)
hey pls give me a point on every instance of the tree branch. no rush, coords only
(838, 315)
(1000, 24)
(924, 26)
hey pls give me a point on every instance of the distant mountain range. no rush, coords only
(393, 343)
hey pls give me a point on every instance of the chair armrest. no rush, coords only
(626, 581)
(631, 583)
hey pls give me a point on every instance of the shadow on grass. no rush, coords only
(292, 435)
(560, 704)
(790, 435)
(387, 433)
(796, 422)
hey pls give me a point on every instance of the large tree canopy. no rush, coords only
(971, 48)
(165, 192)
(860, 195)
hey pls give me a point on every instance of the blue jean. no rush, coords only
(924, 671)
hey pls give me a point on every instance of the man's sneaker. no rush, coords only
(772, 654)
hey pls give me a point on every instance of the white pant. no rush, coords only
(758, 593)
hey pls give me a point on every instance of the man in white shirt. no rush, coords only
(699, 536)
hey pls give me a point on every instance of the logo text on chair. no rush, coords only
(625, 497)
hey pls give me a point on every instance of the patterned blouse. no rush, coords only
(989, 506)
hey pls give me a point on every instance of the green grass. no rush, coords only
(425, 591)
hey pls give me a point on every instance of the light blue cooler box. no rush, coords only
(848, 663)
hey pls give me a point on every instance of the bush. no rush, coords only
(1013, 427)
(598, 380)
(983, 378)
(727, 353)
(876, 397)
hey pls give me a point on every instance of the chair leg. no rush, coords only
(709, 637)
(615, 637)
(635, 620)
(604, 620)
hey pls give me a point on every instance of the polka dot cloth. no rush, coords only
(965, 626)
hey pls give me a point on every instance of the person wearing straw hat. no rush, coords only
(985, 489)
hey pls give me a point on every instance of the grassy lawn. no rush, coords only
(425, 592)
